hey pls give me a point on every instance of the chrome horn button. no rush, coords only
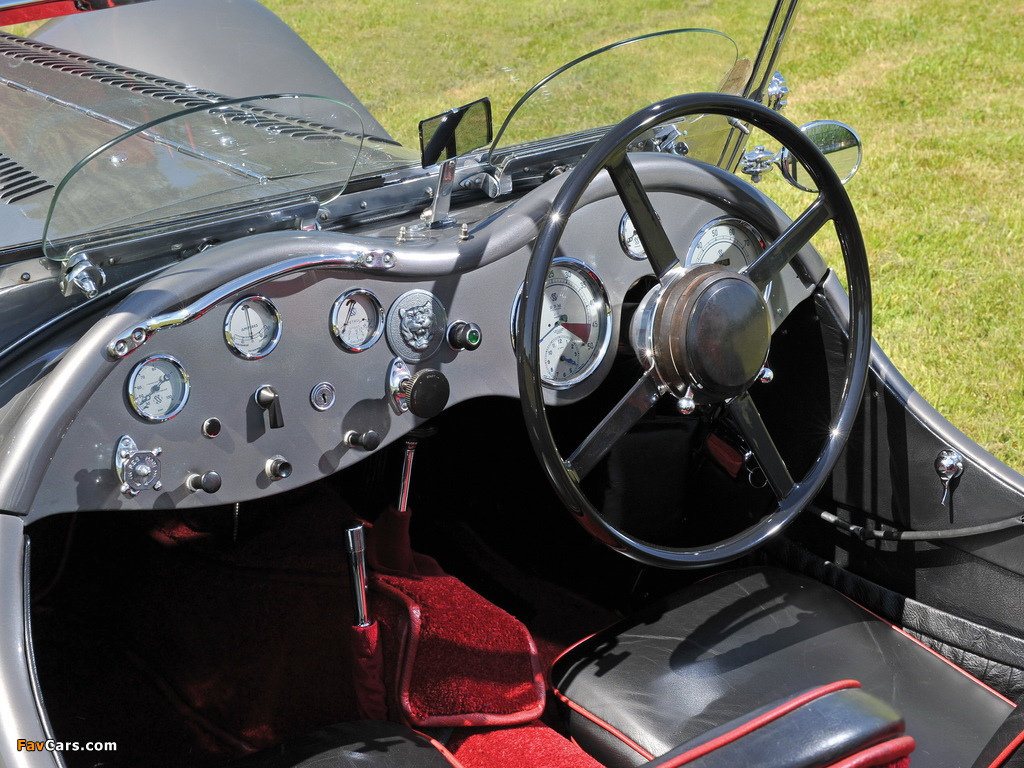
(708, 328)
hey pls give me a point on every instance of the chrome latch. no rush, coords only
(79, 273)
(777, 93)
(756, 162)
(949, 465)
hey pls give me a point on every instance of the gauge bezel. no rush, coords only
(637, 254)
(596, 285)
(377, 331)
(271, 345)
(185, 388)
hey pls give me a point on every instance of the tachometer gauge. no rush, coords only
(730, 242)
(253, 327)
(575, 324)
(158, 388)
(357, 319)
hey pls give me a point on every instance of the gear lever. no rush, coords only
(355, 545)
(411, 441)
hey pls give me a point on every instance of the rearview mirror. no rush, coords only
(837, 142)
(458, 130)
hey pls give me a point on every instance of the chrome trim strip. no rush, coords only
(134, 338)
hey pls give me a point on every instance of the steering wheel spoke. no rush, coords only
(751, 425)
(778, 255)
(627, 412)
(657, 246)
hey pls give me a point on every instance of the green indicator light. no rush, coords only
(473, 337)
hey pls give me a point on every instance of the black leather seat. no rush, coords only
(361, 744)
(739, 641)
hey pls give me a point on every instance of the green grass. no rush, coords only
(933, 88)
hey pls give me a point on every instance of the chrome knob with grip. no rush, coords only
(426, 392)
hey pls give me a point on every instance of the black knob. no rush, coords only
(462, 335)
(209, 482)
(279, 468)
(426, 392)
(269, 400)
(368, 440)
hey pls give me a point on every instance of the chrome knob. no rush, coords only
(426, 392)
(368, 440)
(278, 468)
(208, 482)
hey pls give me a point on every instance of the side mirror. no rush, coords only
(458, 130)
(837, 142)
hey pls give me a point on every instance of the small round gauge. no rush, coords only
(158, 388)
(252, 327)
(357, 319)
(575, 324)
(730, 242)
(630, 240)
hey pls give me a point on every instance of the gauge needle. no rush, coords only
(555, 327)
(248, 321)
(351, 310)
(159, 382)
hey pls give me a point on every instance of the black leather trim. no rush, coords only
(362, 744)
(740, 640)
(816, 734)
(990, 654)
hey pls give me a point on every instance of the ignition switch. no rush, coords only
(137, 470)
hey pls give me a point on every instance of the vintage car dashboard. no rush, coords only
(268, 362)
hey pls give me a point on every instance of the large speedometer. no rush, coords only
(575, 324)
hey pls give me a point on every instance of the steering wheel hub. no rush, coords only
(708, 328)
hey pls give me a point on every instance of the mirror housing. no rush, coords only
(455, 131)
(838, 142)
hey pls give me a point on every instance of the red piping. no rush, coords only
(885, 754)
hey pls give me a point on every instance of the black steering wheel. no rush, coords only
(706, 330)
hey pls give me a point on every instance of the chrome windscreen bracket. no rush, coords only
(78, 273)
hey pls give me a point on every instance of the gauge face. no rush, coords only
(158, 388)
(357, 320)
(732, 243)
(575, 324)
(253, 327)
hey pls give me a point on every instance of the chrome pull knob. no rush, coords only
(368, 440)
(208, 482)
